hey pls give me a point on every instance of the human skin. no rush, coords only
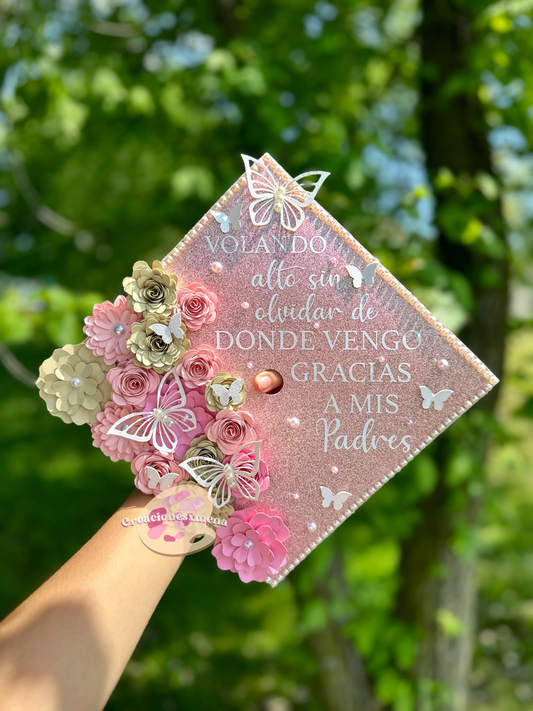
(66, 646)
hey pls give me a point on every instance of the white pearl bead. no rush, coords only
(118, 329)
(443, 364)
(248, 544)
(312, 526)
(293, 422)
(216, 267)
(76, 381)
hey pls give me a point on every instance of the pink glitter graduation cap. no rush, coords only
(370, 376)
(267, 280)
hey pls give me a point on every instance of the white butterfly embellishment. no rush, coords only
(164, 481)
(233, 393)
(221, 479)
(155, 426)
(358, 276)
(437, 399)
(227, 221)
(174, 327)
(272, 196)
(338, 499)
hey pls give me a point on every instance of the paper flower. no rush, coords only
(195, 403)
(198, 306)
(261, 477)
(72, 382)
(131, 384)
(251, 544)
(203, 447)
(112, 445)
(199, 366)
(230, 430)
(151, 350)
(109, 329)
(212, 394)
(150, 290)
(162, 464)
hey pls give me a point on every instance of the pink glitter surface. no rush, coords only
(382, 391)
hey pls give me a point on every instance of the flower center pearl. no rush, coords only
(118, 329)
(248, 544)
(76, 381)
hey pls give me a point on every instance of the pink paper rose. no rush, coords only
(109, 329)
(195, 401)
(262, 473)
(198, 306)
(114, 446)
(199, 366)
(231, 430)
(251, 545)
(132, 384)
(162, 464)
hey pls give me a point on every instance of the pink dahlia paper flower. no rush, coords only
(114, 446)
(231, 430)
(261, 476)
(199, 366)
(132, 384)
(109, 328)
(195, 401)
(198, 306)
(162, 464)
(251, 545)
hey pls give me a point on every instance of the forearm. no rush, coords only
(66, 646)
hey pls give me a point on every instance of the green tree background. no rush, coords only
(121, 122)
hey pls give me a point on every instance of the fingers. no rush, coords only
(268, 382)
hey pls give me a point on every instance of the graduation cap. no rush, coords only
(303, 375)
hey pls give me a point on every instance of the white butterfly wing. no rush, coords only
(172, 402)
(241, 460)
(235, 390)
(247, 485)
(292, 214)
(205, 470)
(327, 496)
(440, 398)
(234, 217)
(174, 325)
(355, 274)
(153, 477)
(137, 426)
(339, 499)
(222, 393)
(164, 438)
(368, 273)
(163, 331)
(222, 219)
(261, 182)
(427, 397)
(261, 211)
(297, 189)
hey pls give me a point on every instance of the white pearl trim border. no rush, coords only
(276, 579)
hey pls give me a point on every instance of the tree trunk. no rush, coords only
(438, 592)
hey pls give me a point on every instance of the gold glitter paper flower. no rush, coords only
(203, 447)
(150, 350)
(150, 290)
(223, 394)
(72, 382)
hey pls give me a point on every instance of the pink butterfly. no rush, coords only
(156, 425)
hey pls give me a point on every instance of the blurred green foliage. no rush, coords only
(121, 122)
